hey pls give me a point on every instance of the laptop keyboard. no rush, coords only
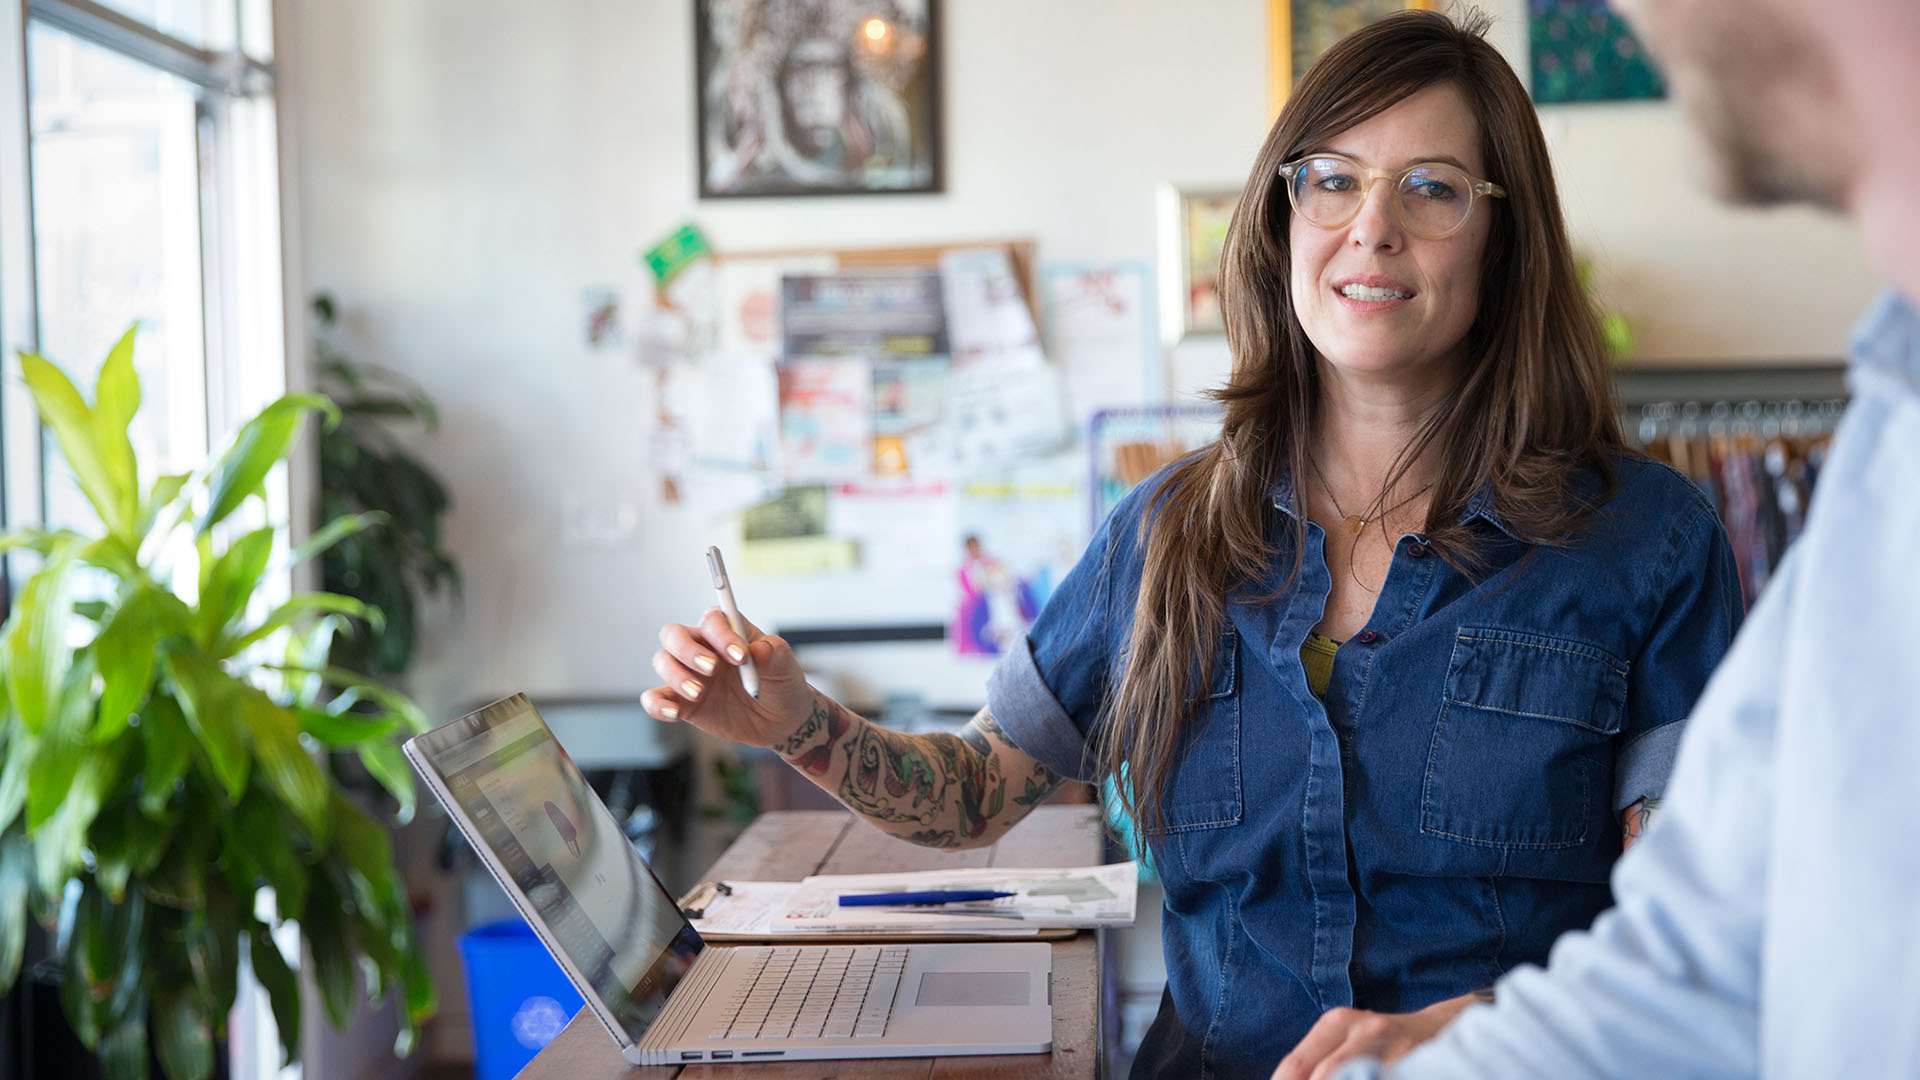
(832, 992)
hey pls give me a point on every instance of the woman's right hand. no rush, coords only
(701, 668)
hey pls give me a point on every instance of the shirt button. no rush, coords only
(1417, 549)
(1367, 637)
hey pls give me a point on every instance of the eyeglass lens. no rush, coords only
(1432, 200)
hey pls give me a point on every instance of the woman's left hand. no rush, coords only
(1343, 1033)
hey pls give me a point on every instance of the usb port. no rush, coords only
(719, 1055)
(689, 1055)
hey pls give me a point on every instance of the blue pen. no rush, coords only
(929, 896)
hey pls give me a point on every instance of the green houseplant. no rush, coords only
(160, 805)
(364, 469)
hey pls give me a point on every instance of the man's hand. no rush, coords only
(1340, 1034)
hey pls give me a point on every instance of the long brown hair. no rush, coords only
(1533, 407)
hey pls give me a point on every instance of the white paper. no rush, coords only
(987, 314)
(1004, 412)
(1086, 896)
(1099, 324)
(903, 528)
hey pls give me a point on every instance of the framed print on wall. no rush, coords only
(1193, 230)
(817, 97)
(1300, 30)
(1582, 51)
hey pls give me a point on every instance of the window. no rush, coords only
(139, 182)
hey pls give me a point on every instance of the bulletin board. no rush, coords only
(957, 556)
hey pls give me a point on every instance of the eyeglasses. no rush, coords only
(1432, 199)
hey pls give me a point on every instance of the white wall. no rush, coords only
(468, 167)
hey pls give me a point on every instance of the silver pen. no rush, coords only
(749, 676)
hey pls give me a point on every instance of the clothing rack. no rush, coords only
(1757, 460)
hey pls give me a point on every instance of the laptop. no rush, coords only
(664, 995)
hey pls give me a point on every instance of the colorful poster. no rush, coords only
(826, 417)
(1582, 51)
(909, 395)
(870, 313)
(1018, 537)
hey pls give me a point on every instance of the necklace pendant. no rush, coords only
(1356, 525)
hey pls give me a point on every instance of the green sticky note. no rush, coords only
(677, 252)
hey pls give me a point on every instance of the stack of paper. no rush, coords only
(1044, 899)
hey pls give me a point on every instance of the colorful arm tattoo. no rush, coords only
(1635, 820)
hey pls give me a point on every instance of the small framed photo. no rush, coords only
(825, 97)
(1300, 30)
(1193, 230)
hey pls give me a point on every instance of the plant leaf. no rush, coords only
(227, 583)
(293, 609)
(16, 863)
(283, 991)
(213, 950)
(206, 695)
(258, 828)
(116, 397)
(183, 1037)
(288, 770)
(387, 764)
(63, 410)
(124, 651)
(259, 445)
(36, 649)
(123, 1052)
(166, 488)
(163, 728)
(60, 845)
(335, 531)
(339, 729)
(21, 750)
(324, 927)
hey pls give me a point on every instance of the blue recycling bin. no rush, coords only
(518, 996)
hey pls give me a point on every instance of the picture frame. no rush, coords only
(1298, 31)
(1193, 229)
(817, 97)
(1581, 51)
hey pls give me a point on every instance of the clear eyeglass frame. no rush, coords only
(1477, 188)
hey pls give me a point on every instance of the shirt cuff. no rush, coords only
(1644, 764)
(1020, 702)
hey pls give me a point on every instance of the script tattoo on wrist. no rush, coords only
(828, 716)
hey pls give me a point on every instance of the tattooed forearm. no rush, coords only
(827, 716)
(1636, 819)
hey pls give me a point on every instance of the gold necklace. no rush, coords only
(1355, 523)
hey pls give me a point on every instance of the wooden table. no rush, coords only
(791, 844)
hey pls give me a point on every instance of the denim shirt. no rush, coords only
(1768, 924)
(1450, 807)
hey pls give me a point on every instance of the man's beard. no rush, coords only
(1747, 167)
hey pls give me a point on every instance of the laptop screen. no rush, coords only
(561, 846)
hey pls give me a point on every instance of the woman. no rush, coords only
(1384, 670)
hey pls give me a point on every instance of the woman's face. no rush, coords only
(1415, 330)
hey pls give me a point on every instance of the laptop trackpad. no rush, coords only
(973, 988)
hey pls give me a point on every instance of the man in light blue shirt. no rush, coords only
(1769, 922)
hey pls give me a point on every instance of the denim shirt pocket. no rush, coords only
(1205, 790)
(1522, 747)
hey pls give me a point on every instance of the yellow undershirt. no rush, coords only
(1317, 655)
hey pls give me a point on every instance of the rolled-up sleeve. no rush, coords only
(1699, 610)
(1049, 691)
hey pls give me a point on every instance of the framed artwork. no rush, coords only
(1193, 229)
(1582, 51)
(1300, 30)
(817, 97)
